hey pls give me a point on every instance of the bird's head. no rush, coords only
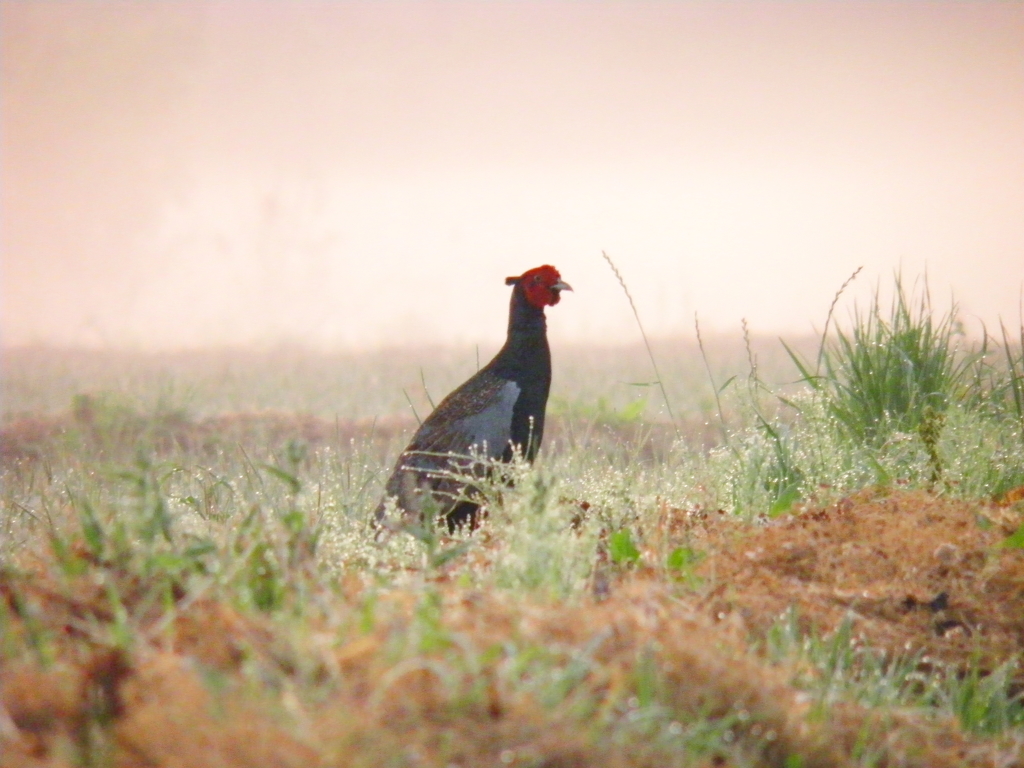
(542, 286)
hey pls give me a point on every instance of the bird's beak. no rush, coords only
(561, 285)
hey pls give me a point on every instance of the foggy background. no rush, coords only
(353, 174)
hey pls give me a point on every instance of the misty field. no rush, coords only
(818, 562)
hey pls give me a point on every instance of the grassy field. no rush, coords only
(820, 563)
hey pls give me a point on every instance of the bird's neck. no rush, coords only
(524, 319)
(527, 341)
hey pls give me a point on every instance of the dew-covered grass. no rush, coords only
(189, 573)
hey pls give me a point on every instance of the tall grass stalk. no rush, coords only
(643, 334)
(711, 377)
(1015, 373)
(828, 317)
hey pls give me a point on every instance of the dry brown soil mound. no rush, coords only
(913, 571)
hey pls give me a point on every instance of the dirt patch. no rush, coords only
(914, 572)
(468, 700)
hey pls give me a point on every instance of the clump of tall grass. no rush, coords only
(900, 396)
(893, 371)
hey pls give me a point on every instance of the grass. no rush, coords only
(893, 372)
(188, 576)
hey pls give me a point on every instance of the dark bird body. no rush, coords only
(497, 412)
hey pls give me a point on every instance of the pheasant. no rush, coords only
(495, 414)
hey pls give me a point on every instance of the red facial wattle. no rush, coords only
(542, 286)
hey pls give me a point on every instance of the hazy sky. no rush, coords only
(181, 174)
